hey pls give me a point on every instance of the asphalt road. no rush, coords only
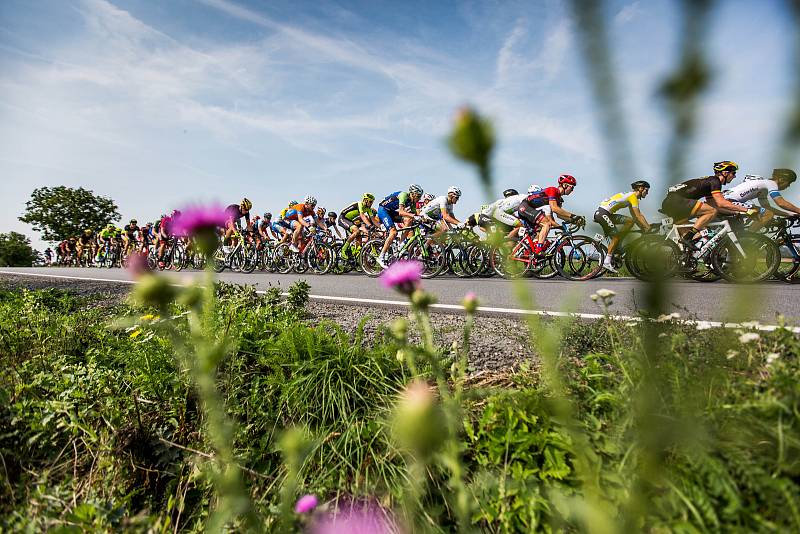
(717, 301)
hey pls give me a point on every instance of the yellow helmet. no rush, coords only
(368, 196)
(725, 166)
(246, 204)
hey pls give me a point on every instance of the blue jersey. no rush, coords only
(393, 202)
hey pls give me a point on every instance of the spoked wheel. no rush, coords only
(653, 258)
(320, 257)
(509, 261)
(282, 258)
(433, 259)
(790, 262)
(578, 258)
(368, 257)
(760, 260)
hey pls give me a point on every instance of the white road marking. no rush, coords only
(458, 307)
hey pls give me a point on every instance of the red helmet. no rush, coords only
(567, 179)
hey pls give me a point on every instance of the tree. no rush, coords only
(16, 251)
(61, 212)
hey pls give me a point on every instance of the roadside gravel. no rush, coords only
(497, 344)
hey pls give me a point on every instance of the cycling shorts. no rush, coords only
(530, 215)
(279, 227)
(678, 207)
(349, 225)
(612, 223)
(387, 218)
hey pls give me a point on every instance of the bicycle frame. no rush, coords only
(670, 231)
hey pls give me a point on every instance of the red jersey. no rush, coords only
(543, 197)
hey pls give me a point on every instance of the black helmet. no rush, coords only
(510, 193)
(267, 215)
(640, 183)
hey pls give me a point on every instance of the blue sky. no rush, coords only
(157, 104)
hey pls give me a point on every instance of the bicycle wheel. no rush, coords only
(511, 261)
(760, 260)
(577, 258)
(179, 259)
(790, 260)
(653, 258)
(283, 258)
(320, 257)
(368, 257)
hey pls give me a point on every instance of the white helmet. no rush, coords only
(534, 189)
(414, 188)
(311, 201)
(454, 190)
(427, 197)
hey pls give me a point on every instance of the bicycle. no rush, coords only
(413, 248)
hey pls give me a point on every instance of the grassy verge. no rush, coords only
(101, 428)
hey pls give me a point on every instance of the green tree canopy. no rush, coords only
(16, 251)
(61, 212)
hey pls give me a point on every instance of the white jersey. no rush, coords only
(433, 209)
(506, 205)
(752, 189)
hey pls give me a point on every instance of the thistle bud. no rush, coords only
(418, 420)
(472, 138)
(399, 329)
(154, 291)
(470, 302)
(421, 300)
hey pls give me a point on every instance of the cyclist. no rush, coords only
(129, 232)
(502, 213)
(538, 209)
(615, 226)
(333, 228)
(105, 236)
(424, 201)
(756, 187)
(265, 228)
(147, 235)
(357, 219)
(84, 243)
(235, 213)
(440, 211)
(683, 201)
(48, 256)
(164, 234)
(398, 207)
(297, 216)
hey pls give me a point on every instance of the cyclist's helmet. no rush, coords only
(88, 231)
(367, 196)
(245, 204)
(567, 179)
(293, 203)
(311, 201)
(133, 221)
(110, 226)
(267, 215)
(640, 183)
(332, 215)
(175, 213)
(453, 190)
(784, 174)
(725, 166)
(321, 211)
(415, 189)
(534, 188)
(510, 193)
(427, 197)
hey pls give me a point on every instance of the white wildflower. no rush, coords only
(771, 357)
(605, 293)
(668, 317)
(732, 354)
(631, 323)
(747, 337)
(594, 297)
(702, 325)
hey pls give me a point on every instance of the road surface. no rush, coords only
(717, 301)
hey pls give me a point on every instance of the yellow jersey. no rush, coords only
(619, 201)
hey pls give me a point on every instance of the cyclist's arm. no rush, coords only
(720, 201)
(446, 217)
(365, 218)
(639, 218)
(558, 210)
(786, 205)
(404, 212)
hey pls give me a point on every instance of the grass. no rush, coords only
(102, 429)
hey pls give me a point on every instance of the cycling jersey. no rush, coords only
(108, 233)
(697, 188)
(235, 214)
(433, 209)
(504, 210)
(393, 202)
(543, 197)
(84, 240)
(752, 189)
(353, 212)
(298, 211)
(619, 201)
(130, 230)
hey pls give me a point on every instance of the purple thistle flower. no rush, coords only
(199, 219)
(137, 264)
(305, 504)
(403, 275)
(355, 519)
